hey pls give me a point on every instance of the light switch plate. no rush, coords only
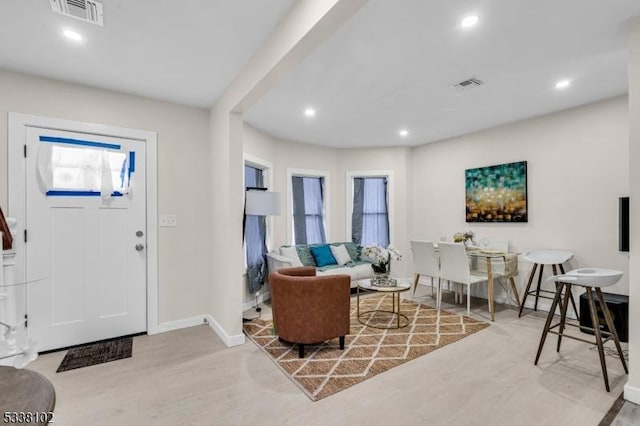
(168, 220)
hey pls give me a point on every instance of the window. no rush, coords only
(255, 234)
(72, 167)
(308, 209)
(83, 169)
(370, 217)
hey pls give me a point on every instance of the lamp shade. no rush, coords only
(262, 203)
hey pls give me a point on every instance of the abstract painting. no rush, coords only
(497, 193)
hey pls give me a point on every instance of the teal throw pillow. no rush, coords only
(306, 258)
(323, 256)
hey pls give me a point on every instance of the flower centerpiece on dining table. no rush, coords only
(381, 263)
(463, 237)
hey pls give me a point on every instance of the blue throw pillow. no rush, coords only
(323, 256)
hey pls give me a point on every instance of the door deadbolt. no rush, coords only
(139, 233)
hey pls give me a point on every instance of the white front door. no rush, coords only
(85, 250)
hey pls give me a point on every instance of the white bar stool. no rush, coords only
(591, 279)
(555, 258)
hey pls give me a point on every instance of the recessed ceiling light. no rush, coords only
(309, 112)
(469, 21)
(72, 35)
(563, 84)
(403, 132)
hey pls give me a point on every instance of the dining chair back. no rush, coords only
(454, 267)
(454, 263)
(425, 262)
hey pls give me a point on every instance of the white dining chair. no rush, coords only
(454, 267)
(425, 262)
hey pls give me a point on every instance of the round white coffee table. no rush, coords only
(401, 320)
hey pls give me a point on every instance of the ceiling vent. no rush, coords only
(469, 83)
(85, 10)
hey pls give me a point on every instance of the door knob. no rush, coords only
(139, 247)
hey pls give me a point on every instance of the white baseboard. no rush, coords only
(228, 340)
(199, 320)
(632, 394)
(177, 324)
(264, 296)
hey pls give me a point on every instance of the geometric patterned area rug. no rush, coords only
(368, 351)
(97, 353)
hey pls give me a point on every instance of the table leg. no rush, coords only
(595, 321)
(515, 291)
(573, 302)
(563, 313)
(492, 307)
(535, 306)
(526, 292)
(398, 311)
(357, 301)
(415, 285)
(547, 324)
(555, 272)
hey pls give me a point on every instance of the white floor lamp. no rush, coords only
(260, 202)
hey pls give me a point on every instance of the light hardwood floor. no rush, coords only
(188, 377)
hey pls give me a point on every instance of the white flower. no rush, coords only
(394, 253)
(381, 255)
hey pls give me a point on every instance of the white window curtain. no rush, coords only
(370, 218)
(255, 233)
(308, 215)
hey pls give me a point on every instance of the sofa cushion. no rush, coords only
(322, 255)
(292, 254)
(306, 258)
(340, 253)
(357, 271)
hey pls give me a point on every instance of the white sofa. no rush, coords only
(357, 270)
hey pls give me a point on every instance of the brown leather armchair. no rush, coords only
(308, 308)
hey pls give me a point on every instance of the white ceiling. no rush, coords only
(390, 67)
(185, 51)
(394, 63)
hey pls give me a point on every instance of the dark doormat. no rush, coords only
(97, 353)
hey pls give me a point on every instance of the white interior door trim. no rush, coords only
(18, 123)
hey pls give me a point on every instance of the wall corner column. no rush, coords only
(632, 388)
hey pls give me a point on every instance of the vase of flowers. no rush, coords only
(463, 237)
(381, 263)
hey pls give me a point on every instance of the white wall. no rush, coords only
(577, 169)
(182, 172)
(632, 389)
